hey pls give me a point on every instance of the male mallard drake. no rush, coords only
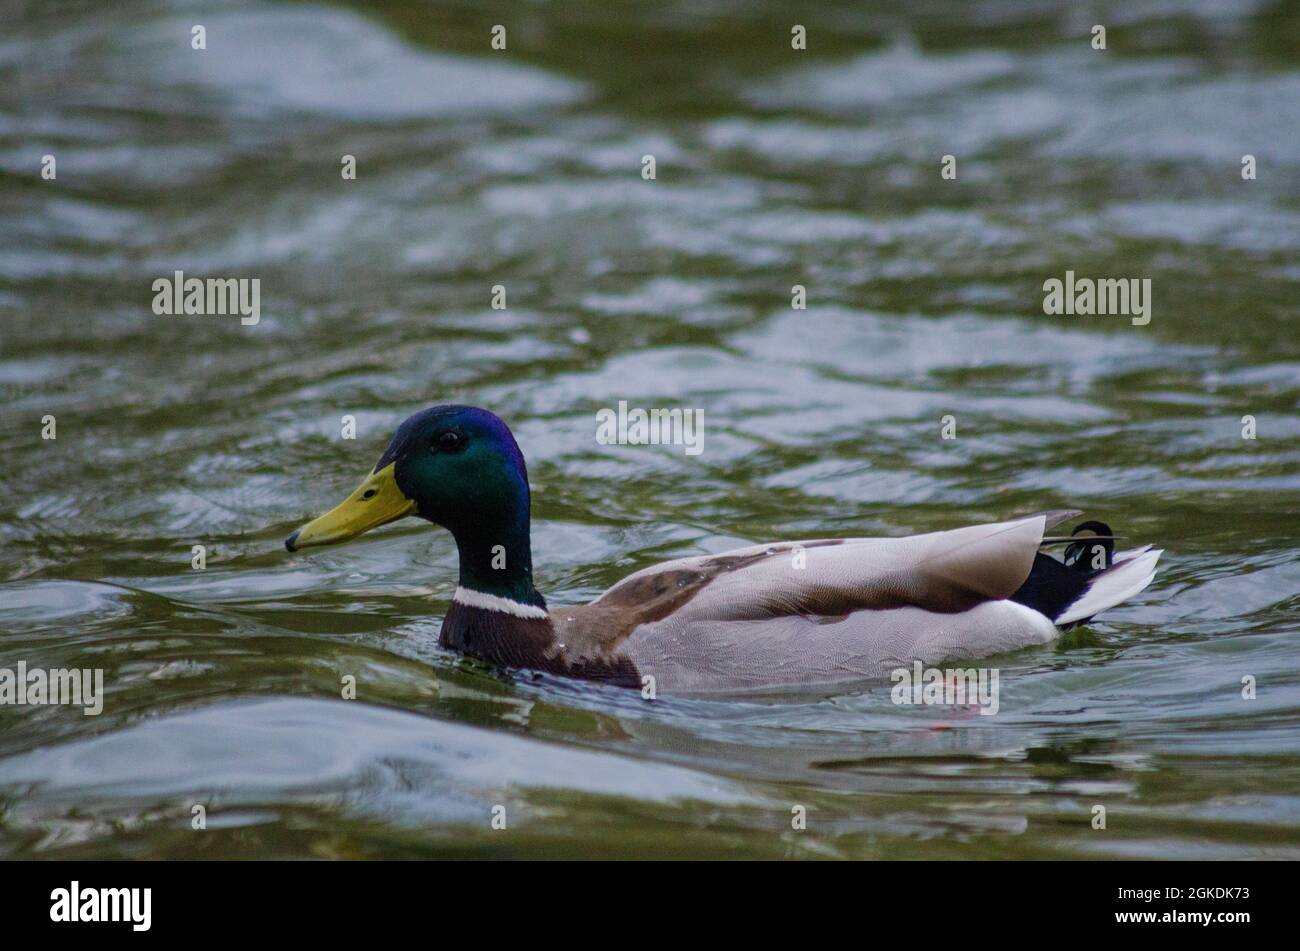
(768, 616)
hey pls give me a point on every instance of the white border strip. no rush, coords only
(490, 602)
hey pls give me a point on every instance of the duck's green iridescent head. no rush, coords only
(456, 466)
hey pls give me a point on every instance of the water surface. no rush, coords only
(522, 168)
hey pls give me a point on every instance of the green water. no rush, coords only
(523, 168)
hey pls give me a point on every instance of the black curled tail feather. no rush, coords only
(1091, 555)
(1052, 586)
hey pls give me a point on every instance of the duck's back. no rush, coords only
(818, 612)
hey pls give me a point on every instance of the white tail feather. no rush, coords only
(1131, 572)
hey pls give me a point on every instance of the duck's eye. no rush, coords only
(450, 441)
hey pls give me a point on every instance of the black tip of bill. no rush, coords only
(291, 543)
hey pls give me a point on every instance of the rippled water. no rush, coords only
(522, 168)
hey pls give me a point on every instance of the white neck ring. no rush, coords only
(491, 602)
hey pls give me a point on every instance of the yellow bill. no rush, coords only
(377, 501)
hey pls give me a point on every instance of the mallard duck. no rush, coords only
(788, 614)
